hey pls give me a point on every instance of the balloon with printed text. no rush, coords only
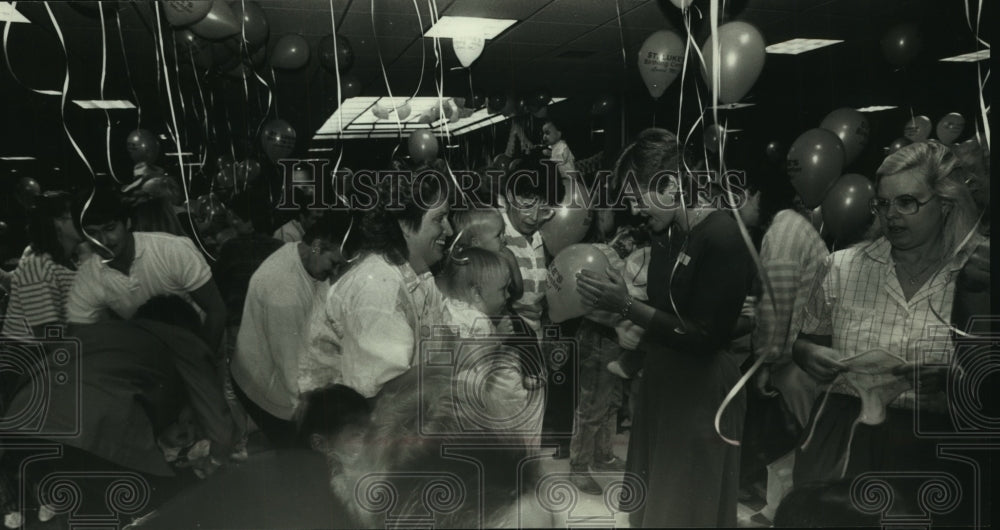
(278, 139)
(660, 60)
(814, 163)
(560, 292)
(852, 128)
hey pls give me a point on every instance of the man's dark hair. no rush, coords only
(535, 178)
(327, 411)
(106, 207)
(331, 226)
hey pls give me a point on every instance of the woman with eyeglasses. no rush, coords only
(877, 324)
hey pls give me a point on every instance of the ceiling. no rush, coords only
(571, 48)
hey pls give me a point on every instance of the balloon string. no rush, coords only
(72, 141)
(423, 53)
(107, 116)
(381, 63)
(274, 82)
(128, 72)
(6, 56)
(176, 136)
(204, 110)
(983, 109)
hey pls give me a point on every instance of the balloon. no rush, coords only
(741, 52)
(603, 106)
(474, 101)
(898, 144)
(380, 111)
(851, 127)
(563, 299)
(660, 59)
(195, 47)
(917, 129)
(901, 44)
(950, 127)
(350, 86)
(541, 113)
(712, 135)
(496, 103)
(468, 49)
(248, 170)
(403, 111)
(681, 4)
(501, 161)
(423, 146)
(814, 163)
(846, 209)
(290, 52)
(522, 106)
(540, 99)
(430, 115)
(569, 224)
(224, 57)
(254, 24)
(277, 139)
(186, 12)
(775, 151)
(240, 71)
(142, 146)
(330, 59)
(259, 57)
(220, 23)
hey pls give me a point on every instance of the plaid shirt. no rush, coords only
(531, 260)
(792, 253)
(860, 303)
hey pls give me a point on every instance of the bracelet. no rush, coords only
(628, 306)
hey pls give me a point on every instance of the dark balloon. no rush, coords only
(291, 52)
(496, 103)
(277, 139)
(898, 144)
(254, 23)
(342, 57)
(142, 146)
(846, 211)
(775, 151)
(350, 86)
(603, 105)
(814, 163)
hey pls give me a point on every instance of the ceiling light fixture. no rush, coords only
(16, 158)
(104, 104)
(981, 55)
(458, 27)
(797, 46)
(876, 108)
(8, 13)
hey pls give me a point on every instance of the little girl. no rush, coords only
(483, 227)
(476, 283)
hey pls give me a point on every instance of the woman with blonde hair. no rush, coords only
(877, 324)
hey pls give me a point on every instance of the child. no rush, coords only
(636, 266)
(475, 283)
(483, 227)
(558, 150)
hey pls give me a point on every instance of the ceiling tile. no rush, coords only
(515, 9)
(543, 33)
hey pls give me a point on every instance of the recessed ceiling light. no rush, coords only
(981, 55)
(876, 108)
(49, 92)
(320, 149)
(797, 46)
(176, 153)
(105, 104)
(733, 106)
(16, 158)
(457, 27)
(9, 14)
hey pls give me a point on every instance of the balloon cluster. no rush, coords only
(535, 104)
(815, 163)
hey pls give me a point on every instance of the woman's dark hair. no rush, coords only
(170, 309)
(331, 226)
(42, 233)
(404, 201)
(327, 411)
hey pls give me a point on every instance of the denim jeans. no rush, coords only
(600, 396)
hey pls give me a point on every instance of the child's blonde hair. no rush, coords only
(469, 268)
(470, 223)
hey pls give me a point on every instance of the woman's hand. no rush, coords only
(818, 361)
(505, 326)
(608, 294)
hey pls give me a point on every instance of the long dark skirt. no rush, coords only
(690, 475)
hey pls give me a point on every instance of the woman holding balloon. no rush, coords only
(699, 275)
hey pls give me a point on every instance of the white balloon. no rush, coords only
(380, 111)
(468, 49)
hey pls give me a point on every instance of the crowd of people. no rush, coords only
(410, 344)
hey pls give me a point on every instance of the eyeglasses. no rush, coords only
(904, 204)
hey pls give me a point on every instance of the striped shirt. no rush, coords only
(860, 303)
(39, 289)
(531, 260)
(792, 252)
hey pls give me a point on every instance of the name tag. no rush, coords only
(684, 258)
